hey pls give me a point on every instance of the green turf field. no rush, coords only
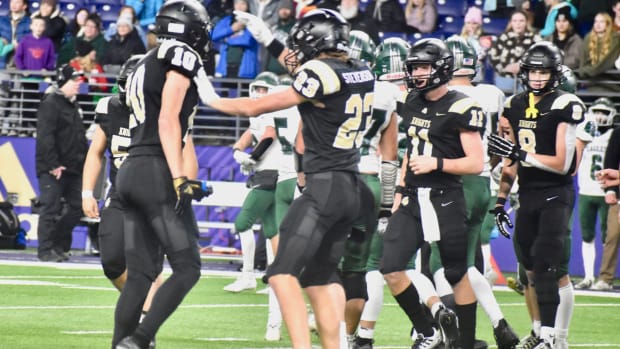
(66, 306)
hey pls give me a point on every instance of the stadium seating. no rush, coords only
(450, 25)
(494, 26)
(387, 35)
(4, 7)
(454, 8)
(417, 36)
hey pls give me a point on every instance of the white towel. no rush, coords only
(430, 224)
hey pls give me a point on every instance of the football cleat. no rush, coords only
(432, 341)
(128, 343)
(480, 344)
(584, 284)
(244, 282)
(602, 286)
(529, 342)
(449, 324)
(543, 344)
(362, 343)
(514, 285)
(505, 336)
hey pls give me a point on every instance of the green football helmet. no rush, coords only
(603, 111)
(465, 56)
(361, 47)
(266, 80)
(391, 55)
(568, 82)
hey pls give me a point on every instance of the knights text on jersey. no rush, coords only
(145, 86)
(434, 128)
(535, 128)
(112, 115)
(335, 119)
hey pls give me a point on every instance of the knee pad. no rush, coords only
(454, 273)
(354, 284)
(546, 287)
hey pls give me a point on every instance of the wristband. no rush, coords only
(87, 194)
(275, 48)
(500, 201)
(439, 165)
(399, 189)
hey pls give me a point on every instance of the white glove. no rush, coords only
(243, 158)
(256, 26)
(206, 91)
(382, 224)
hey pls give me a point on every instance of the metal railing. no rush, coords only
(21, 91)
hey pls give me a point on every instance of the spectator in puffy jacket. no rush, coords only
(55, 23)
(13, 28)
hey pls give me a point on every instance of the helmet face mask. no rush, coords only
(186, 21)
(390, 59)
(320, 30)
(264, 83)
(540, 57)
(432, 53)
(603, 111)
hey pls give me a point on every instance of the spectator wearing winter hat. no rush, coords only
(55, 24)
(472, 32)
(125, 43)
(126, 11)
(566, 39)
(554, 7)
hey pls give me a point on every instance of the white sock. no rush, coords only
(344, 343)
(588, 252)
(270, 255)
(374, 286)
(486, 257)
(536, 327)
(441, 283)
(435, 308)
(248, 247)
(368, 333)
(547, 333)
(422, 284)
(565, 309)
(274, 315)
(484, 295)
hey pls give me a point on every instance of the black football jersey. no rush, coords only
(535, 130)
(145, 85)
(433, 129)
(335, 120)
(112, 115)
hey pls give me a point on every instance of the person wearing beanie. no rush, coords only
(281, 30)
(554, 7)
(124, 44)
(126, 11)
(60, 153)
(566, 39)
(472, 33)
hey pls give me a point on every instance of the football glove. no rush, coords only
(501, 218)
(505, 148)
(255, 26)
(188, 190)
(382, 223)
(244, 159)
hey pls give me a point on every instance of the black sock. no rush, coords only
(467, 324)
(448, 301)
(409, 301)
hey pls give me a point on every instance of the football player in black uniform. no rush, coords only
(153, 182)
(538, 143)
(334, 95)
(444, 142)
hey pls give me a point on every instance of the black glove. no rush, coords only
(188, 190)
(502, 217)
(504, 148)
